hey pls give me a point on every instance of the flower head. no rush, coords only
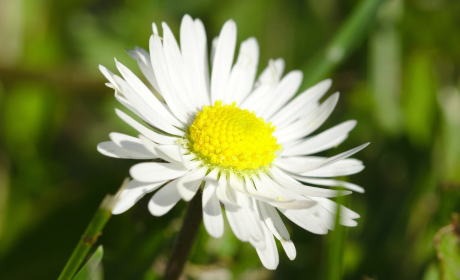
(246, 144)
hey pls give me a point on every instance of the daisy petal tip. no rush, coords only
(270, 265)
(155, 211)
(100, 149)
(216, 234)
(289, 248)
(135, 174)
(133, 53)
(343, 193)
(155, 207)
(231, 21)
(187, 17)
(353, 123)
(327, 82)
(117, 210)
(359, 189)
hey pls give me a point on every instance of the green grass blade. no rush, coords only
(342, 44)
(92, 270)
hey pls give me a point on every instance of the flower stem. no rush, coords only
(185, 239)
(92, 232)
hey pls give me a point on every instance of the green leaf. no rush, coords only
(92, 269)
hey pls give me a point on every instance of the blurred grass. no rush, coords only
(401, 83)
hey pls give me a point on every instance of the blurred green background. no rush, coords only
(401, 83)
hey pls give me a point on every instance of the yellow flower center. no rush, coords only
(229, 137)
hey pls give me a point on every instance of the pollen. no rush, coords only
(229, 137)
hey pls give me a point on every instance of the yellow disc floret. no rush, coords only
(229, 137)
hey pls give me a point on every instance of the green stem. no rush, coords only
(92, 232)
(185, 239)
(342, 44)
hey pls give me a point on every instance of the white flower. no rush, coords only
(246, 144)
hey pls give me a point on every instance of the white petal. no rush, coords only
(253, 102)
(289, 183)
(188, 159)
(156, 171)
(284, 162)
(287, 204)
(154, 28)
(289, 248)
(323, 141)
(253, 224)
(269, 256)
(130, 143)
(145, 95)
(305, 220)
(171, 153)
(275, 187)
(109, 76)
(308, 124)
(222, 192)
(236, 183)
(131, 194)
(270, 189)
(328, 216)
(212, 213)
(332, 207)
(159, 138)
(125, 102)
(334, 170)
(243, 72)
(223, 60)
(329, 182)
(160, 68)
(150, 145)
(188, 184)
(237, 219)
(180, 80)
(272, 73)
(296, 108)
(213, 49)
(273, 221)
(111, 149)
(348, 222)
(194, 57)
(203, 58)
(237, 222)
(276, 200)
(263, 91)
(143, 61)
(164, 199)
(146, 110)
(285, 90)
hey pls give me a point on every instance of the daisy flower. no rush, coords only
(245, 143)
